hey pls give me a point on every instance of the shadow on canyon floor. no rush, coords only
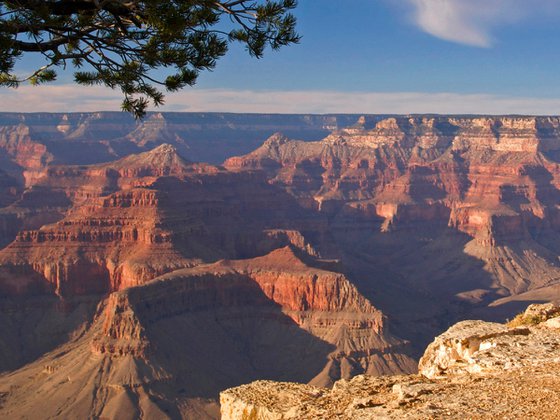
(422, 279)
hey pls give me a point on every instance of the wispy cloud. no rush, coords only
(69, 98)
(472, 22)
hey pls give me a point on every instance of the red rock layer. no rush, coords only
(495, 179)
(171, 344)
(165, 214)
(324, 303)
(56, 188)
(165, 348)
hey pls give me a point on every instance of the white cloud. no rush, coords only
(471, 22)
(69, 98)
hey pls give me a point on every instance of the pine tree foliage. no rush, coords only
(126, 44)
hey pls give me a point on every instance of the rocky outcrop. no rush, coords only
(474, 347)
(482, 347)
(531, 393)
(475, 369)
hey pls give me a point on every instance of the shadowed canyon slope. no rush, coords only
(165, 348)
(303, 261)
(461, 210)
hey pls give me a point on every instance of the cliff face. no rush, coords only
(487, 177)
(167, 347)
(140, 217)
(475, 369)
(329, 307)
(464, 208)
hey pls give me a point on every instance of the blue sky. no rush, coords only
(376, 45)
(374, 56)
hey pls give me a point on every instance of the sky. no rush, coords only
(371, 56)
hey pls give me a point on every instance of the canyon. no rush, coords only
(138, 281)
(30, 140)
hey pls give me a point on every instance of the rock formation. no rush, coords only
(475, 369)
(32, 140)
(21, 152)
(296, 262)
(167, 347)
(135, 219)
(491, 178)
(460, 208)
(143, 216)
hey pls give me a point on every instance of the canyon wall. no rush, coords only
(464, 209)
(132, 220)
(302, 260)
(167, 347)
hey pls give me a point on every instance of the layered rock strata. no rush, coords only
(325, 304)
(88, 231)
(166, 348)
(143, 216)
(488, 177)
(475, 197)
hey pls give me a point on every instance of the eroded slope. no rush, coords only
(166, 348)
(458, 210)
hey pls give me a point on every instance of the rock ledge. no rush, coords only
(475, 369)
